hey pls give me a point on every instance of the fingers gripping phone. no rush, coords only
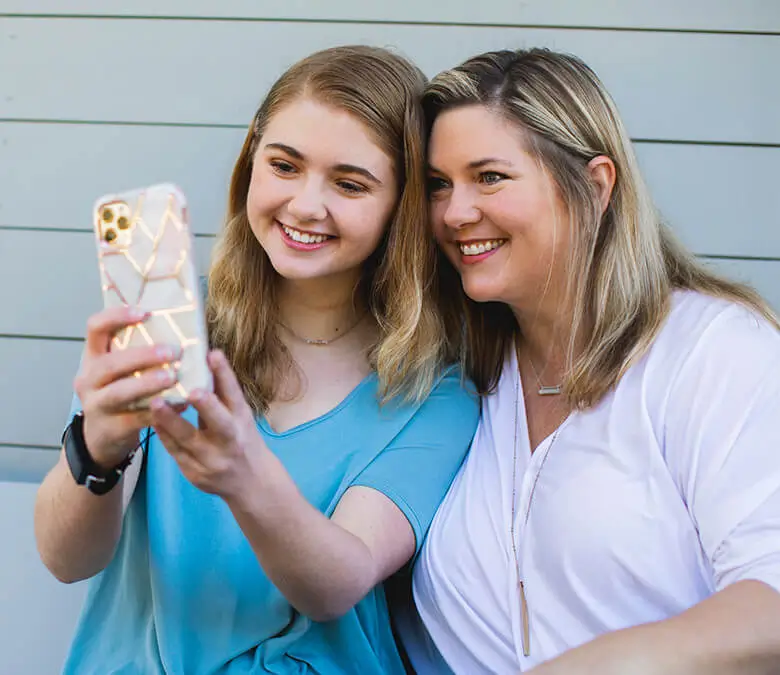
(145, 255)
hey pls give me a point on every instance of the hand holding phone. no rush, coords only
(145, 254)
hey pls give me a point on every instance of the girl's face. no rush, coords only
(495, 212)
(321, 193)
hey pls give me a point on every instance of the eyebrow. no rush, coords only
(341, 168)
(286, 148)
(477, 164)
(351, 168)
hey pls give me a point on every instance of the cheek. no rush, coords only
(436, 210)
(265, 193)
(367, 219)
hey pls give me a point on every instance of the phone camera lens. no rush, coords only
(122, 223)
(108, 216)
(110, 236)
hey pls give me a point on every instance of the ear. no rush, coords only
(602, 173)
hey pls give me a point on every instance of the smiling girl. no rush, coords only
(264, 519)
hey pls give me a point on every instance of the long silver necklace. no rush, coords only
(525, 615)
(318, 341)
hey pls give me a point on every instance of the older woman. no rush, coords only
(619, 511)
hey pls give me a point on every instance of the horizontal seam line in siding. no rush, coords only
(749, 258)
(77, 230)
(392, 22)
(47, 338)
(28, 446)
(121, 123)
(209, 125)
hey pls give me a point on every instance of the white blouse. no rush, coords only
(665, 492)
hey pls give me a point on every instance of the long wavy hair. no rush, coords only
(622, 265)
(398, 283)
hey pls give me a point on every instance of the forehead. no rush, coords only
(325, 134)
(470, 133)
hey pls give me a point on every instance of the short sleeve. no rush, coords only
(416, 469)
(723, 446)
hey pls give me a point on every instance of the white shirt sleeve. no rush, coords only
(722, 442)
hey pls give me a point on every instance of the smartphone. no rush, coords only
(146, 260)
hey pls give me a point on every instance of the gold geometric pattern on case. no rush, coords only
(150, 276)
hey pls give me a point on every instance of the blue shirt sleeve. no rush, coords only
(416, 469)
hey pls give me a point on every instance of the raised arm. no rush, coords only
(77, 531)
(323, 566)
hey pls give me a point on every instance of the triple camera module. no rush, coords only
(114, 220)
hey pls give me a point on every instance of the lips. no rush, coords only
(479, 246)
(304, 236)
(473, 251)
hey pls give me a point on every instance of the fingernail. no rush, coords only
(196, 395)
(165, 375)
(157, 403)
(165, 353)
(137, 314)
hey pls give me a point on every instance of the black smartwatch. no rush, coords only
(85, 470)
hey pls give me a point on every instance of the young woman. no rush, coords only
(619, 511)
(256, 538)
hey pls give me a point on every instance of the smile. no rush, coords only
(302, 237)
(472, 248)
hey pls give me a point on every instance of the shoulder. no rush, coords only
(448, 413)
(452, 393)
(708, 332)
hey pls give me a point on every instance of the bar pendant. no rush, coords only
(526, 626)
(549, 390)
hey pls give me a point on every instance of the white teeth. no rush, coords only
(303, 237)
(481, 247)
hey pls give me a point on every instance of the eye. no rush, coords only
(351, 187)
(436, 184)
(492, 177)
(282, 167)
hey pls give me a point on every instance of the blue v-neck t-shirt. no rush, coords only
(184, 593)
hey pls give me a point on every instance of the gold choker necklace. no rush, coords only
(318, 341)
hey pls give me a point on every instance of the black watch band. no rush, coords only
(85, 470)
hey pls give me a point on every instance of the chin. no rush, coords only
(479, 291)
(295, 271)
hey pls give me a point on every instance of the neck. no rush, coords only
(320, 308)
(545, 335)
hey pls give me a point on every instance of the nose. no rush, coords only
(461, 209)
(308, 201)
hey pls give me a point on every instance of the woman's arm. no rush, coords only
(322, 566)
(76, 531)
(735, 632)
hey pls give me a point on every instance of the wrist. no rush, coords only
(85, 470)
(261, 487)
(106, 455)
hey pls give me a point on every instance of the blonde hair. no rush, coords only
(383, 91)
(623, 264)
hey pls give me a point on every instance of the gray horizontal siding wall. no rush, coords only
(95, 99)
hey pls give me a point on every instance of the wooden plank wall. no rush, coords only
(95, 98)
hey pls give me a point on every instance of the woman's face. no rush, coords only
(321, 192)
(495, 211)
